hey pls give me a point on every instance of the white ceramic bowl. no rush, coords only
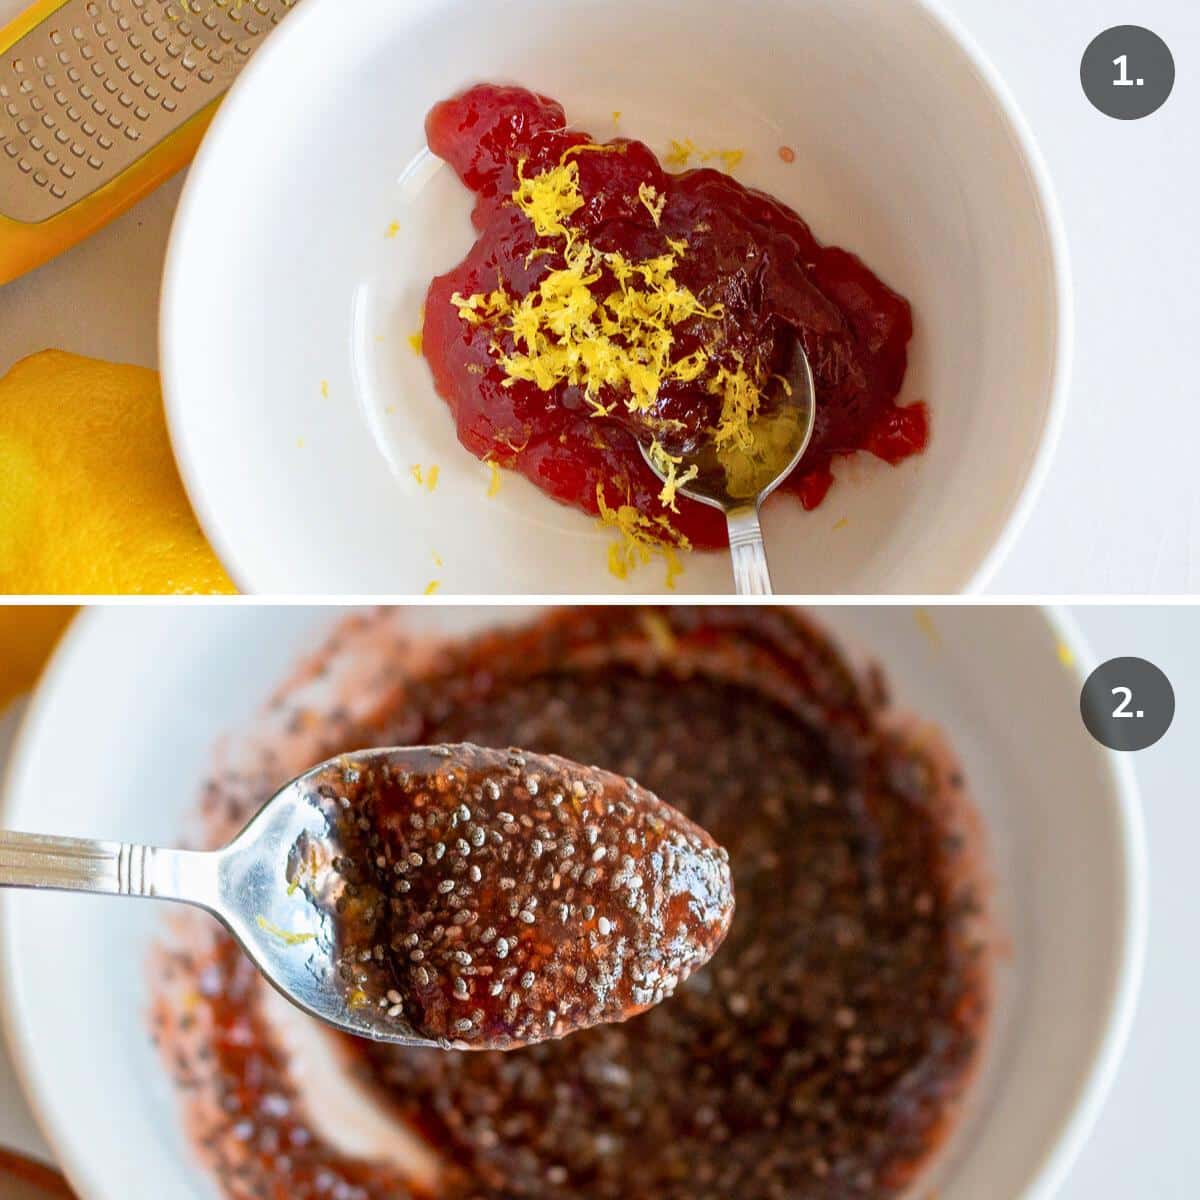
(280, 279)
(119, 738)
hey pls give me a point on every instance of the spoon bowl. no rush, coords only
(737, 478)
(245, 885)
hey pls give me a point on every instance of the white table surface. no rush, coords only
(1121, 510)
(1145, 1145)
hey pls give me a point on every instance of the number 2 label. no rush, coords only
(1122, 709)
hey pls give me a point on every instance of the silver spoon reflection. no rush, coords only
(738, 478)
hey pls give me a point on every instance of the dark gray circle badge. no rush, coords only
(1127, 72)
(1127, 704)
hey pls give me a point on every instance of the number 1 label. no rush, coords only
(1122, 79)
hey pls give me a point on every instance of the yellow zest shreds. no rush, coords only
(357, 999)
(1065, 654)
(668, 465)
(494, 482)
(537, 252)
(729, 158)
(564, 333)
(841, 524)
(679, 153)
(550, 198)
(432, 586)
(325, 389)
(639, 538)
(291, 939)
(616, 115)
(416, 340)
(654, 202)
(308, 865)
(428, 477)
(477, 309)
(392, 230)
(659, 632)
(927, 627)
(589, 147)
(739, 405)
(437, 560)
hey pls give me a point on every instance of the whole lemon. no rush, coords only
(28, 632)
(90, 497)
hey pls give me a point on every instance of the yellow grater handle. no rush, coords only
(25, 245)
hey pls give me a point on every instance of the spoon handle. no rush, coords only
(34, 860)
(750, 574)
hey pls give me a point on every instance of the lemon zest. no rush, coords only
(653, 200)
(432, 586)
(659, 632)
(494, 482)
(740, 399)
(668, 465)
(639, 538)
(291, 939)
(590, 148)
(549, 198)
(680, 152)
(427, 477)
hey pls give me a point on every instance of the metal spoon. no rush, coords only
(738, 482)
(278, 884)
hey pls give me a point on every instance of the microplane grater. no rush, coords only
(100, 100)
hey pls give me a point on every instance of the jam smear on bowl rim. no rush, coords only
(724, 279)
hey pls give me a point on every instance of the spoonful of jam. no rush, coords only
(441, 895)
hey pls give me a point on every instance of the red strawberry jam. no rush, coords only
(488, 899)
(758, 279)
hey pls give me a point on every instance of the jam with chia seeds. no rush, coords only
(820, 1055)
(488, 899)
(535, 395)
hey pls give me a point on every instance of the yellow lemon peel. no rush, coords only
(291, 939)
(639, 539)
(90, 496)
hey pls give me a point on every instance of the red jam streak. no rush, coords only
(746, 251)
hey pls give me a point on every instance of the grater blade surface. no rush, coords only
(97, 84)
